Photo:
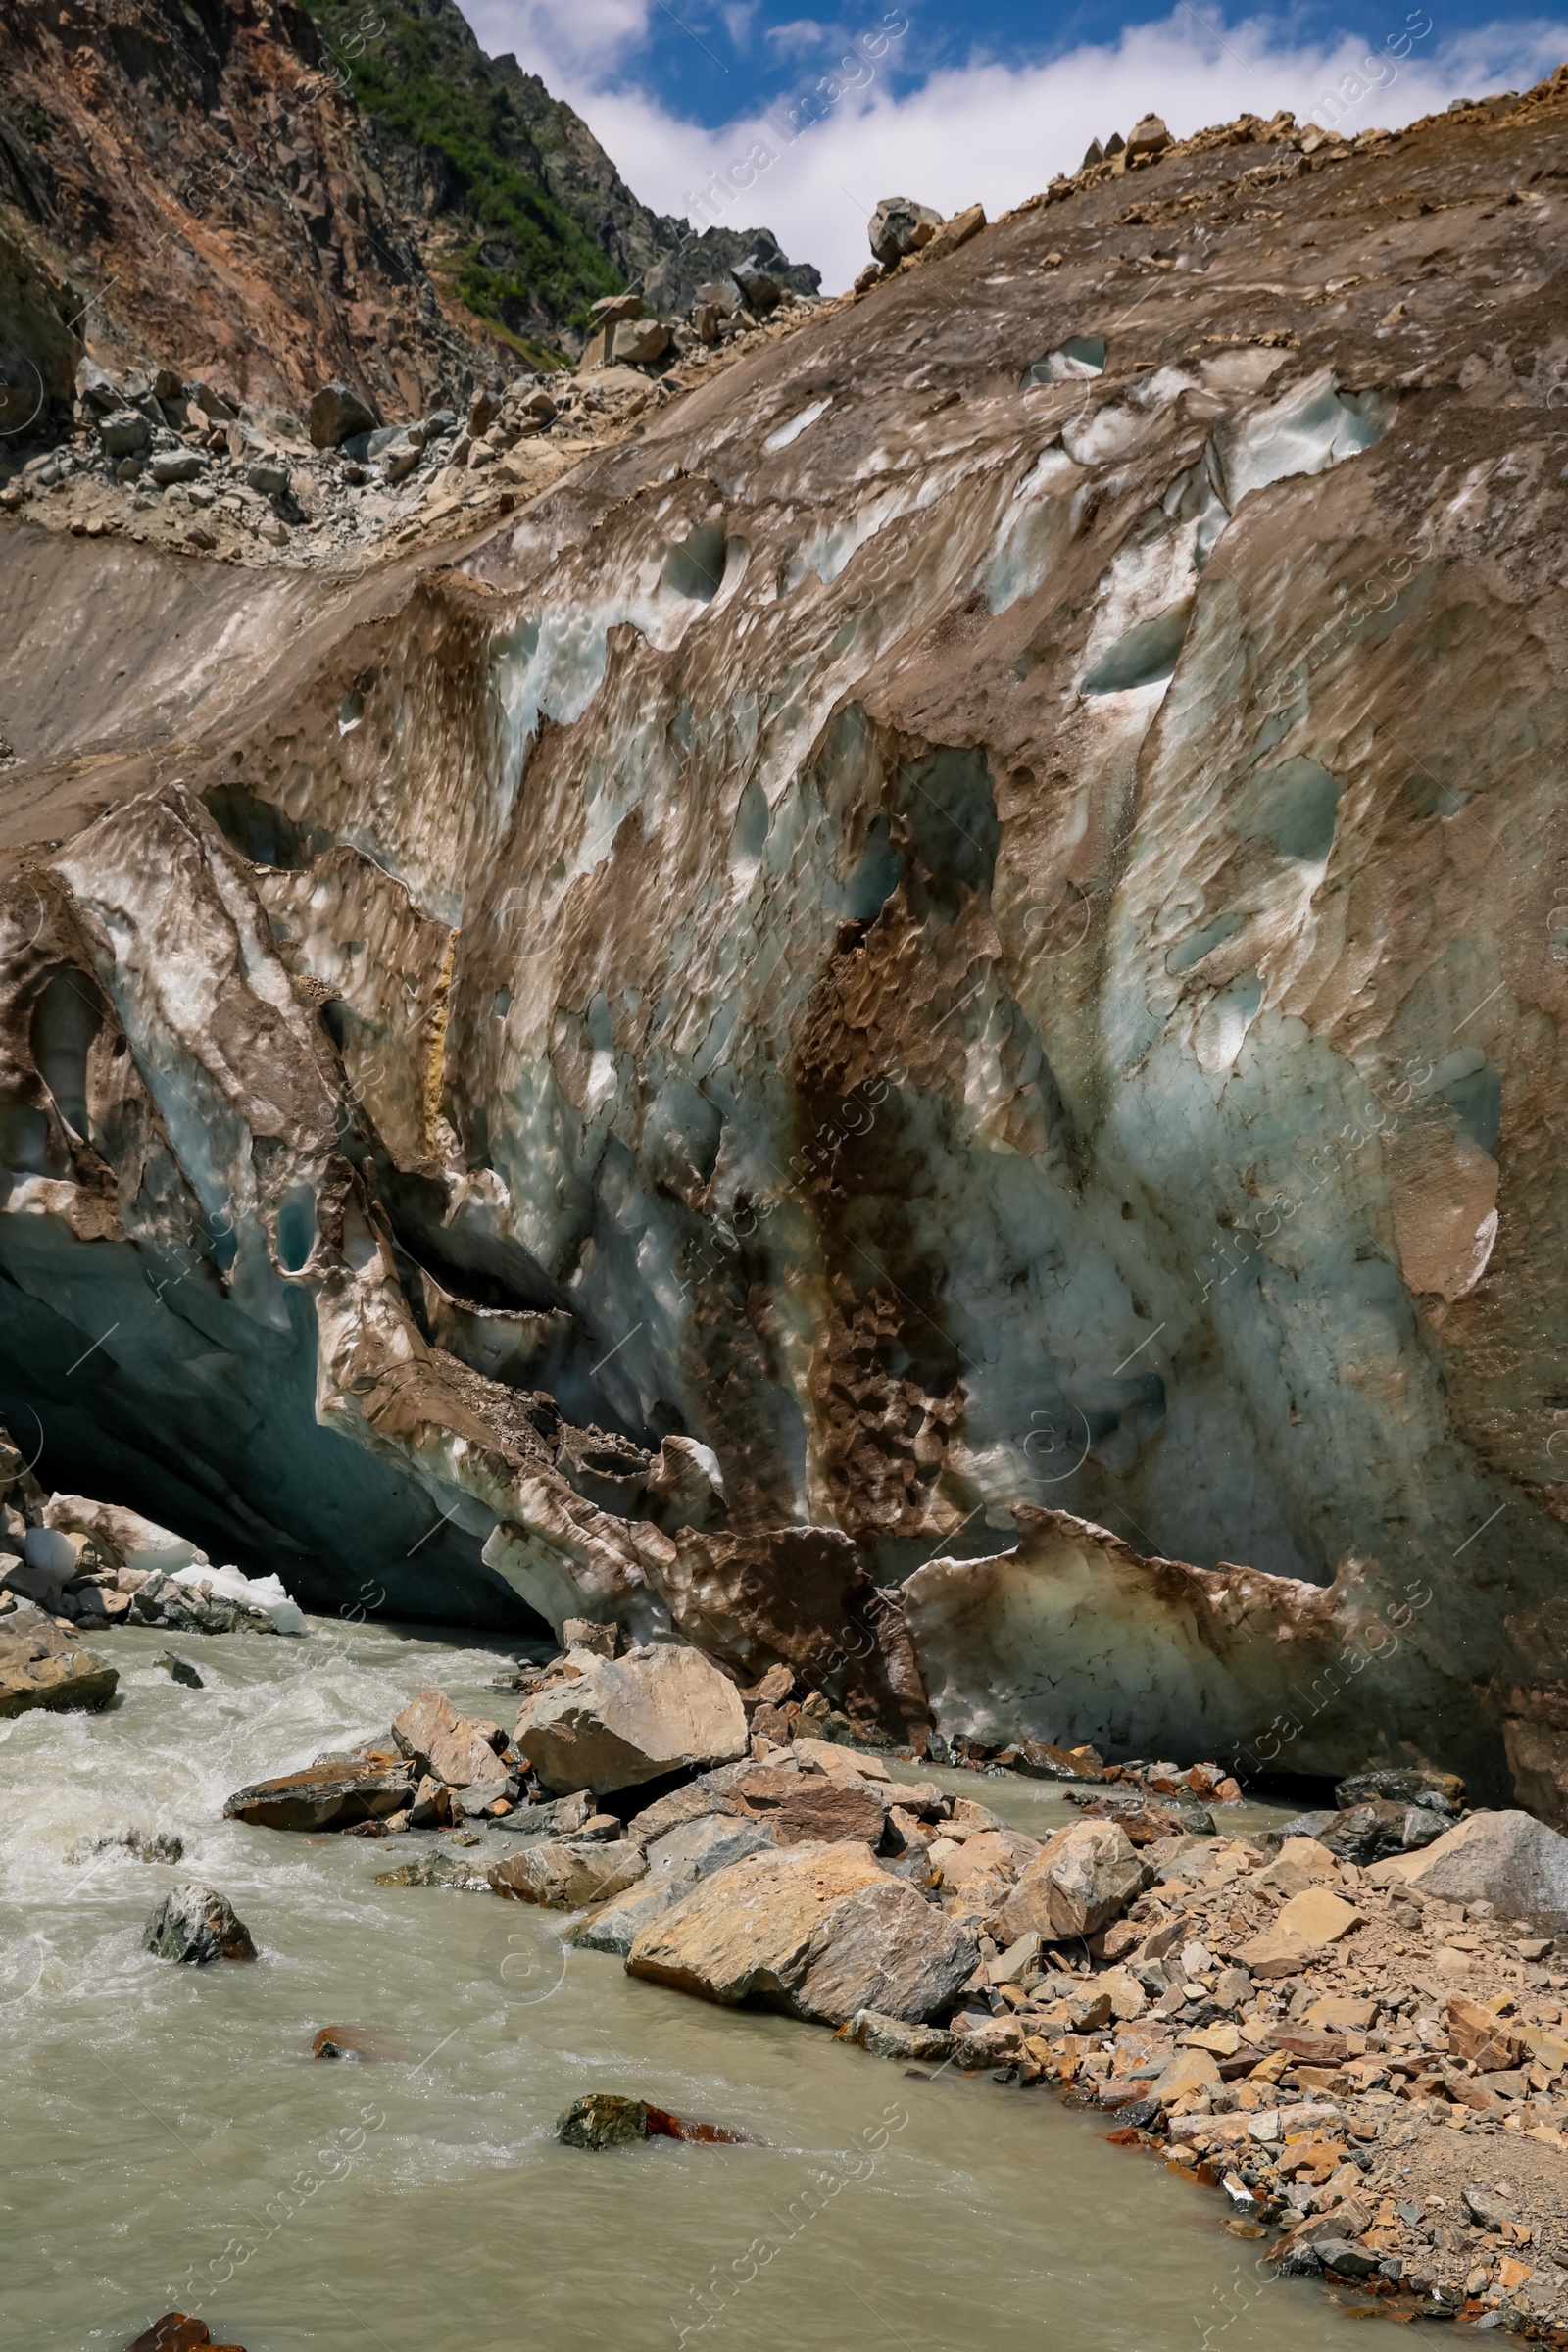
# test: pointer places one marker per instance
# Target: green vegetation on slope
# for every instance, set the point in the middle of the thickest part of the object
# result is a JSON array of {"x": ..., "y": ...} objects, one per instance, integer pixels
[{"x": 422, "y": 73}]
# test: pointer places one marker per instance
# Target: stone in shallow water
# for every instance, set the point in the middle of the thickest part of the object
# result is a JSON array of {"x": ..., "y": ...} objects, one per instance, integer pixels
[
  {"x": 40, "y": 1666},
  {"x": 603, "y": 2120},
  {"x": 568, "y": 1876},
  {"x": 325, "y": 1796},
  {"x": 178, "y": 1671},
  {"x": 197, "y": 1925},
  {"x": 175, "y": 2332}
]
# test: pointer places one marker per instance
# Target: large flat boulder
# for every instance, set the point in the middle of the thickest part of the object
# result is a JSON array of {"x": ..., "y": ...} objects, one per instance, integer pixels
[
  {"x": 1078, "y": 1882},
  {"x": 621, "y": 1721},
  {"x": 1508, "y": 1859},
  {"x": 326, "y": 1796},
  {"x": 567, "y": 1874},
  {"x": 806, "y": 1807},
  {"x": 677, "y": 1861},
  {"x": 41, "y": 1666},
  {"x": 817, "y": 1932}
]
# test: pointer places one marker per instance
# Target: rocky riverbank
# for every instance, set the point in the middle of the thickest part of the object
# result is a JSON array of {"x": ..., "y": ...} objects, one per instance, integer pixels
[{"x": 1353, "y": 2026}]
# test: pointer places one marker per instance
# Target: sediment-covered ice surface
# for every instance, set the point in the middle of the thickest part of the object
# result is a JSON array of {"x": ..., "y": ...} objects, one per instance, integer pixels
[{"x": 919, "y": 1008}]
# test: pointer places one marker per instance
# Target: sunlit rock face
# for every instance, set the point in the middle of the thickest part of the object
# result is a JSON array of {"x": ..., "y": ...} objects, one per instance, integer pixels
[{"x": 971, "y": 937}]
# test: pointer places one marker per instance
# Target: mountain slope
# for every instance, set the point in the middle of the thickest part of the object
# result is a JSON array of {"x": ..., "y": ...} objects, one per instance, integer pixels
[{"x": 246, "y": 193}]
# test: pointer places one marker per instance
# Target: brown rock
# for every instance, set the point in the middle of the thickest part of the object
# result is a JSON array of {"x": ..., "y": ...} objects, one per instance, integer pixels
[
  {"x": 567, "y": 1877},
  {"x": 817, "y": 1932},
  {"x": 1272, "y": 1954},
  {"x": 1317, "y": 1917},
  {"x": 41, "y": 1666},
  {"x": 1480, "y": 2036},
  {"x": 325, "y": 1796},
  {"x": 1076, "y": 1884},
  {"x": 830, "y": 1812},
  {"x": 955, "y": 232},
  {"x": 439, "y": 1741},
  {"x": 174, "y": 2333},
  {"x": 350, "y": 2042},
  {"x": 627, "y": 1720}
]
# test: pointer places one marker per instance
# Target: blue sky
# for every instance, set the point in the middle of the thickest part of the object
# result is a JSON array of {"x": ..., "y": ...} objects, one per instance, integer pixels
[{"x": 808, "y": 119}]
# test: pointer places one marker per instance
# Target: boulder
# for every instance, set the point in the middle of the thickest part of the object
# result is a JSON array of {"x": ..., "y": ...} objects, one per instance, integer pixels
[
  {"x": 123, "y": 434},
  {"x": 568, "y": 1874},
  {"x": 196, "y": 1925},
  {"x": 900, "y": 225},
  {"x": 677, "y": 1861},
  {"x": 1044, "y": 1760},
  {"x": 1148, "y": 138},
  {"x": 627, "y": 1720},
  {"x": 800, "y": 1807},
  {"x": 437, "y": 1739},
  {"x": 891, "y": 2038},
  {"x": 758, "y": 285},
  {"x": 978, "y": 1877},
  {"x": 169, "y": 466},
  {"x": 1478, "y": 2035},
  {"x": 606, "y": 2119},
  {"x": 616, "y": 306},
  {"x": 175, "y": 2332},
  {"x": 639, "y": 342},
  {"x": 270, "y": 477},
  {"x": 326, "y": 1796},
  {"x": 1507, "y": 1859},
  {"x": 817, "y": 1932},
  {"x": 40, "y": 1666},
  {"x": 1379, "y": 1827},
  {"x": 955, "y": 232},
  {"x": 337, "y": 414},
  {"x": 1080, "y": 1880},
  {"x": 1441, "y": 1792},
  {"x": 603, "y": 2120}
]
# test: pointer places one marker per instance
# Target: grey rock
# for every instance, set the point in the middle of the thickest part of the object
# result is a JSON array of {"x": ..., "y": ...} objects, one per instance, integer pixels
[
  {"x": 893, "y": 2038},
  {"x": 96, "y": 386},
  {"x": 479, "y": 1794},
  {"x": 181, "y": 466},
  {"x": 270, "y": 477},
  {"x": 1441, "y": 1792},
  {"x": 177, "y": 1670},
  {"x": 337, "y": 415},
  {"x": 196, "y": 1925},
  {"x": 123, "y": 432},
  {"x": 1507, "y": 1859},
  {"x": 900, "y": 225},
  {"x": 1366, "y": 1833},
  {"x": 212, "y": 404},
  {"x": 758, "y": 283},
  {"x": 676, "y": 1863}
]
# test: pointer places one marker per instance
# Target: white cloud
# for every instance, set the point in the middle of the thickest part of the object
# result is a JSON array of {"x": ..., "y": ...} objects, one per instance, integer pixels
[{"x": 993, "y": 133}]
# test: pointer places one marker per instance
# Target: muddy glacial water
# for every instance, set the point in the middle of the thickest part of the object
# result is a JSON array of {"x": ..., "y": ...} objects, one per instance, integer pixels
[{"x": 169, "y": 2142}]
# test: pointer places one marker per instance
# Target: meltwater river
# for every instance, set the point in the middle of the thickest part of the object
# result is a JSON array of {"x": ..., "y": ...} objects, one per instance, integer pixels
[{"x": 169, "y": 2143}]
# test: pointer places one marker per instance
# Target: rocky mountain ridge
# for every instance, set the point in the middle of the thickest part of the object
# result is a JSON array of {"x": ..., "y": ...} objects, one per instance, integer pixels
[{"x": 265, "y": 198}]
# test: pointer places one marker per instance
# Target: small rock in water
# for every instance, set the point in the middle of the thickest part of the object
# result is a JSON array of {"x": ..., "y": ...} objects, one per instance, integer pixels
[
  {"x": 178, "y": 1671},
  {"x": 606, "y": 2118},
  {"x": 196, "y": 1924},
  {"x": 349, "y": 2042},
  {"x": 147, "y": 1846},
  {"x": 174, "y": 2333},
  {"x": 602, "y": 2120}
]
